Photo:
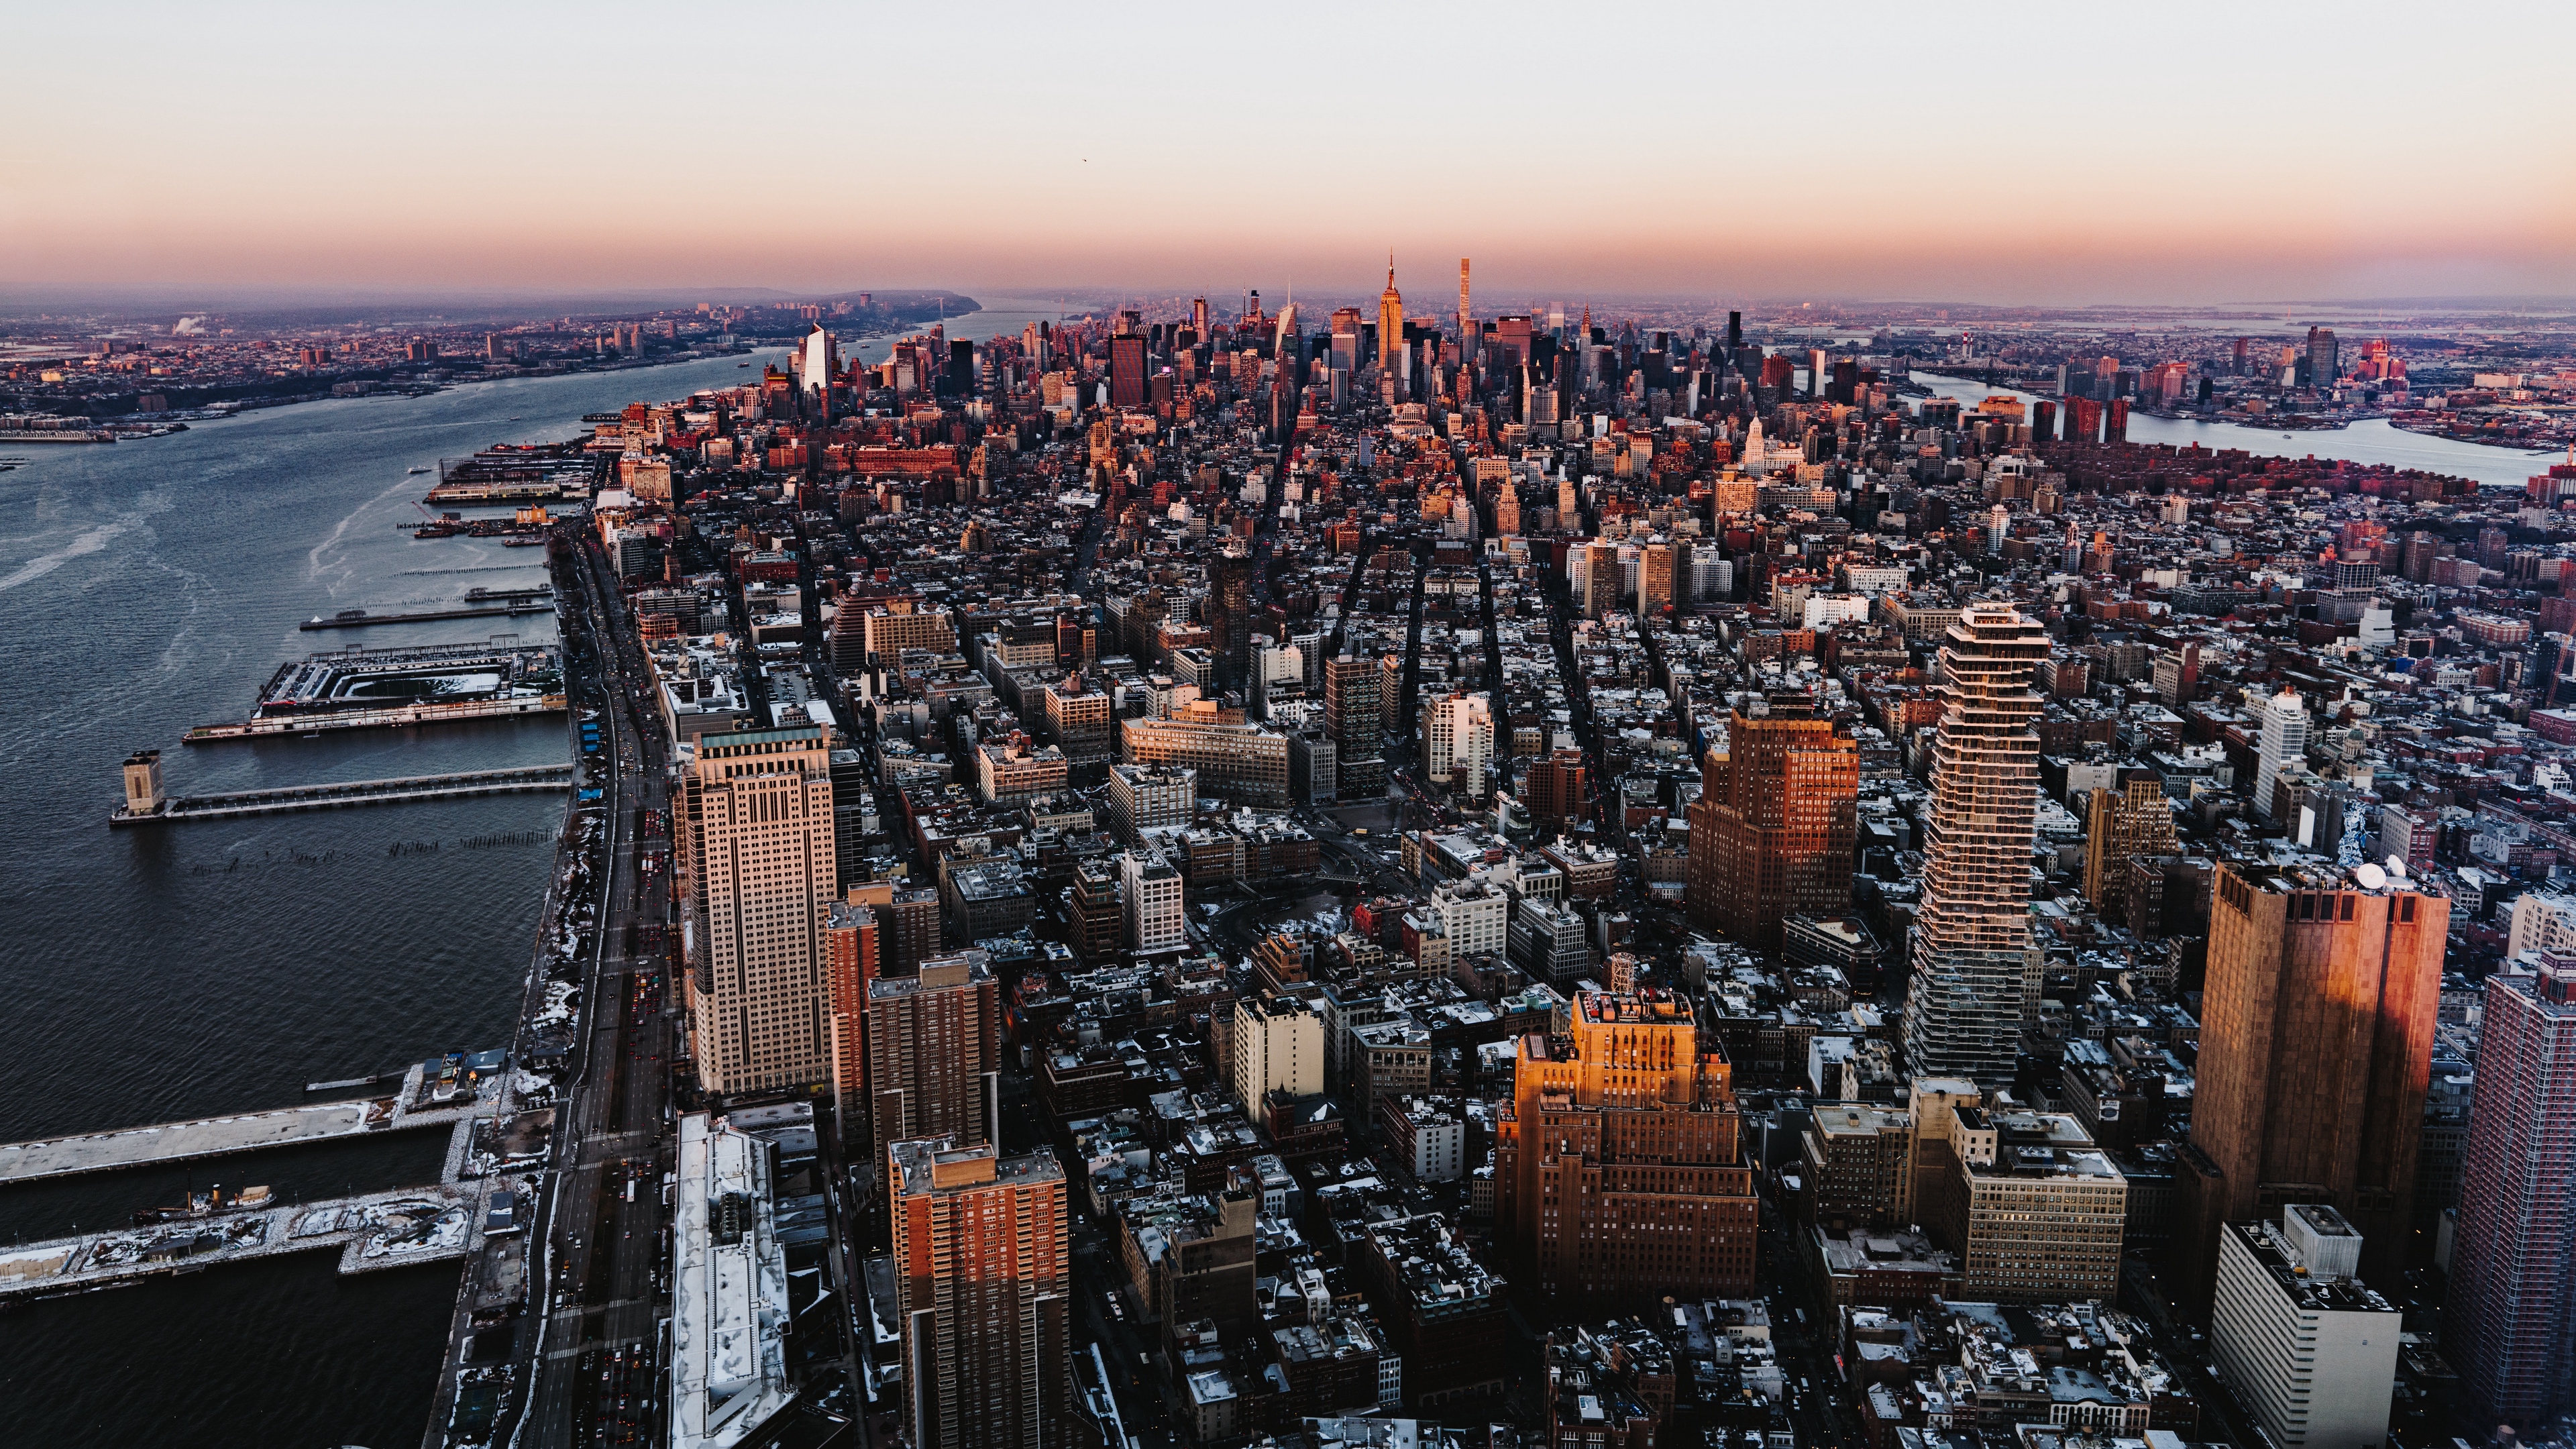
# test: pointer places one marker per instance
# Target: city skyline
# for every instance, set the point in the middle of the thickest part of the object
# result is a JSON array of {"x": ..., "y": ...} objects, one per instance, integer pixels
[{"x": 2181, "y": 162}]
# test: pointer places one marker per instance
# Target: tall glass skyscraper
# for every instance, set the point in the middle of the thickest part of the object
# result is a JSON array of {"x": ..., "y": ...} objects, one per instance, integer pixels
[{"x": 1974, "y": 969}]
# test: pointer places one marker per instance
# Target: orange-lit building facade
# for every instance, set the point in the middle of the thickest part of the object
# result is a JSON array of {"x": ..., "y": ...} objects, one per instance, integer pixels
[
  {"x": 1619, "y": 1170},
  {"x": 850, "y": 958},
  {"x": 1773, "y": 832}
]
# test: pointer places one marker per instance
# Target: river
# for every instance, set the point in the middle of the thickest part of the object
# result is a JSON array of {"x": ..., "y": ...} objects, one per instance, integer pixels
[
  {"x": 2372, "y": 440},
  {"x": 184, "y": 971}
]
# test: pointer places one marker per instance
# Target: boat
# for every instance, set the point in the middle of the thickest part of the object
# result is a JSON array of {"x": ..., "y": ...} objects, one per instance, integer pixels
[
  {"x": 416, "y": 470},
  {"x": 209, "y": 1203}
]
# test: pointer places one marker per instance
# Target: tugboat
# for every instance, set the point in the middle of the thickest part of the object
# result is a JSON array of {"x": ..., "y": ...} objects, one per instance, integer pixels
[{"x": 210, "y": 1203}]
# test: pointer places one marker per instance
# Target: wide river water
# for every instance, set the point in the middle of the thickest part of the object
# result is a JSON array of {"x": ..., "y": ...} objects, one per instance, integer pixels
[
  {"x": 2368, "y": 441},
  {"x": 187, "y": 971}
]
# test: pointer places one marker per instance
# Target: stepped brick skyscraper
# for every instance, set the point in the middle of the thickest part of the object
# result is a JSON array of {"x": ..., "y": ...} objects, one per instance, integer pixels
[
  {"x": 2511, "y": 1323},
  {"x": 1974, "y": 972},
  {"x": 1773, "y": 830},
  {"x": 979, "y": 1256},
  {"x": 1619, "y": 1173},
  {"x": 756, "y": 837},
  {"x": 2316, "y": 1047}
]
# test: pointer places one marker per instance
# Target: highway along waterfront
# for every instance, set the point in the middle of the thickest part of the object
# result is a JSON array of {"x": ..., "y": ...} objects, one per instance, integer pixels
[{"x": 214, "y": 967}]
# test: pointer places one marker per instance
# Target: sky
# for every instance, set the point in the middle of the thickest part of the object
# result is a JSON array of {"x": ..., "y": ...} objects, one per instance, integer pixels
[{"x": 2049, "y": 154}]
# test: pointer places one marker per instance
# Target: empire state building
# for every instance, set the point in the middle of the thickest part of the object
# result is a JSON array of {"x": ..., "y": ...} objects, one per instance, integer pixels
[{"x": 1390, "y": 317}]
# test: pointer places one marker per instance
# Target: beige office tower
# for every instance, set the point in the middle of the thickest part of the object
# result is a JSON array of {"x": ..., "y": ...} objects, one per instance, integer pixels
[
  {"x": 756, "y": 832},
  {"x": 1975, "y": 973}
]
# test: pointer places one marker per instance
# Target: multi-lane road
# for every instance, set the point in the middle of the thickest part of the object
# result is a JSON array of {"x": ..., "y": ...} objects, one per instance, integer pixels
[{"x": 587, "y": 1359}]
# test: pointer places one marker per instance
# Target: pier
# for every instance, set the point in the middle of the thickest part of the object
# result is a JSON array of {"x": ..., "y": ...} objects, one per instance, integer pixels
[
  {"x": 361, "y": 619},
  {"x": 377, "y": 719},
  {"x": 372, "y": 1231},
  {"x": 178, "y": 808},
  {"x": 164, "y": 1143}
]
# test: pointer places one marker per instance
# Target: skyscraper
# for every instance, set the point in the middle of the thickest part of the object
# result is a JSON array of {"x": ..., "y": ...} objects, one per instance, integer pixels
[
  {"x": 1390, "y": 318},
  {"x": 1466, "y": 319},
  {"x": 979, "y": 1252},
  {"x": 1975, "y": 973},
  {"x": 2284, "y": 741},
  {"x": 1619, "y": 1171},
  {"x": 1230, "y": 613},
  {"x": 853, "y": 946},
  {"x": 1601, "y": 589},
  {"x": 756, "y": 843},
  {"x": 934, "y": 1054},
  {"x": 1354, "y": 716},
  {"x": 2511, "y": 1322},
  {"x": 2325, "y": 365},
  {"x": 1655, "y": 577},
  {"x": 1458, "y": 742},
  {"x": 1127, "y": 371},
  {"x": 1776, "y": 823},
  {"x": 2316, "y": 1046}
]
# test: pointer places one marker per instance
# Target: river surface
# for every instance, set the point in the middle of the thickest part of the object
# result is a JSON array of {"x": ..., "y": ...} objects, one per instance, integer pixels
[
  {"x": 185, "y": 971},
  {"x": 2370, "y": 441}
]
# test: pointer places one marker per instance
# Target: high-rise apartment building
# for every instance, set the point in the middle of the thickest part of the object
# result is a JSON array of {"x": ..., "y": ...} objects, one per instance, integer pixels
[
  {"x": 984, "y": 1296},
  {"x": 2316, "y": 1048},
  {"x": 1603, "y": 579},
  {"x": 1776, "y": 823},
  {"x": 2134, "y": 820},
  {"x": 2309, "y": 1349},
  {"x": 1156, "y": 913},
  {"x": 2284, "y": 742},
  {"x": 1354, "y": 715},
  {"x": 1278, "y": 1045},
  {"x": 1458, "y": 742},
  {"x": 756, "y": 840},
  {"x": 2510, "y": 1326},
  {"x": 1619, "y": 1172},
  {"x": 1466, "y": 323},
  {"x": 853, "y": 945},
  {"x": 934, "y": 1053},
  {"x": 1975, "y": 973},
  {"x": 1655, "y": 571}
]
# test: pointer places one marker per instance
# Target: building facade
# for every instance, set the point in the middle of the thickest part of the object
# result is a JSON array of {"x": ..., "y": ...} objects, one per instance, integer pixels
[
  {"x": 756, "y": 836},
  {"x": 2316, "y": 1049},
  {"x": 2510, "y": 1325},
  {"x": 2309, "y": 1349},
  {"x": 1774, "y": 830},
  {"x": 1619, "y": 1170},
  {"x": 979, "y": 1248},
  {"x": 1975, "y": 974}
]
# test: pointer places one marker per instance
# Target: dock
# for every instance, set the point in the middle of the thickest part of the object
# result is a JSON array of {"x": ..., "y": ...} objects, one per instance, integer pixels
[
  {"x": 361, "y": 619},
  {"x": 180, "y": 808},
  {"x": 363, "y": 719},
  {"x": 372, "y": 1231},
  {"x": 164, "y": 1143}
]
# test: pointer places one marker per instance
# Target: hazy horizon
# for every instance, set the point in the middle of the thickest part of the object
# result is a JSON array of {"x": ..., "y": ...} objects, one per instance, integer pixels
[{"x": 2027, "y": 156}]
